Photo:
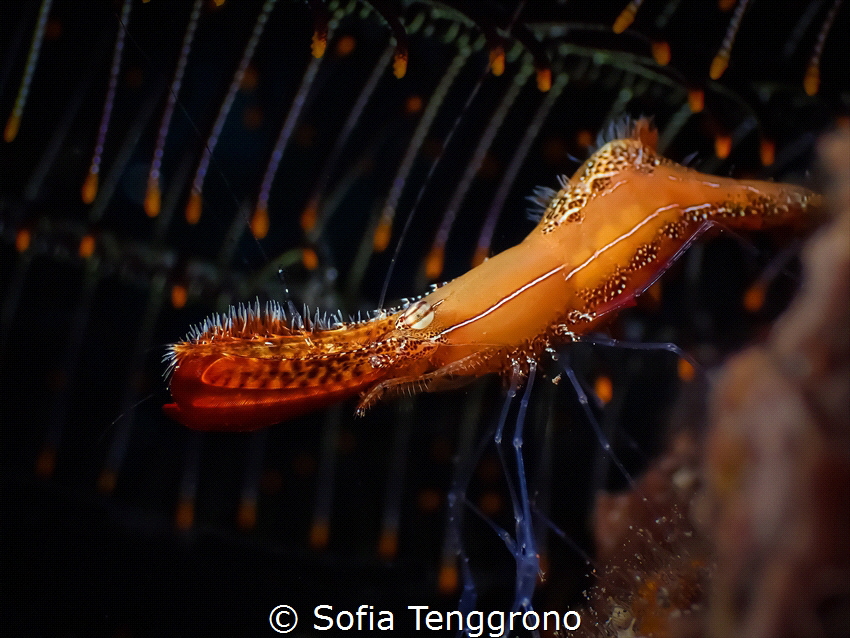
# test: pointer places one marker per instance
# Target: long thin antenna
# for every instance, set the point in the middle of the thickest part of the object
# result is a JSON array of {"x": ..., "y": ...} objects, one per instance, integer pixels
[{"x": 427, "y": 181}]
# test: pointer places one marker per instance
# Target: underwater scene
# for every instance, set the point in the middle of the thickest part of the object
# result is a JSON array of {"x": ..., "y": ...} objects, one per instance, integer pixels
[{"x": 165, "y": 161}]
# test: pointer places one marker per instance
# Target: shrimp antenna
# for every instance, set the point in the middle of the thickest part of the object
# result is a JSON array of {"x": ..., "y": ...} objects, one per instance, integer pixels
[
  {"x": 427, "y": 181},
  {"x": 210, "y": 156},
  {"x": 212, "y": 159},
  {"x": 421, "y": 192},
  {"x": 131, "y": 408}
]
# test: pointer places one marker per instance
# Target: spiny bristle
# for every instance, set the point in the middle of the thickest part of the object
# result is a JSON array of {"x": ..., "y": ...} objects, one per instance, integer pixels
[
  {"x": 253, "y": 320},
  {"x": 169, "y": 358},
  {"x": 539, "y": 201},
  {"x": 624, "y": 127}
]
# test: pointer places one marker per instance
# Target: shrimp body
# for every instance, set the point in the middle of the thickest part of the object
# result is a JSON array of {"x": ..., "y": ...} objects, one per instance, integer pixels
[{"x": 605, "y": 237}]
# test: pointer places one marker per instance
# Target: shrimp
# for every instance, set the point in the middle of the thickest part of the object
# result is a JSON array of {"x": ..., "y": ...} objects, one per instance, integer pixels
[{"x": 613, "y": 229}]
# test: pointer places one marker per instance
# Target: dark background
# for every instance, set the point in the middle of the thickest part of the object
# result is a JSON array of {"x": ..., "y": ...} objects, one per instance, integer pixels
[{"x": 82, "y": 339}]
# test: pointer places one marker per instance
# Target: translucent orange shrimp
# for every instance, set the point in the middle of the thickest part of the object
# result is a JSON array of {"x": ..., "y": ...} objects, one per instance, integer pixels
[{"x": 604, "y": 238}]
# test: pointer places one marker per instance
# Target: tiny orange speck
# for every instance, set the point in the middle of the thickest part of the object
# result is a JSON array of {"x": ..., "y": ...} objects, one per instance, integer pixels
[
  {"x": 434, "y": 262},
  {"x": 23, "y": 240},
  {"x": 604, "y": 388},
  {"x": 382, "y": 235},
  {"x": 179, "y": 295},
  {"x": 319, "y": 44},
  {"x": 544, "y": 79},
  {"x": 309, "y": 216},
  {"x": 428, "y": 500},
  {"x": 661, "y": 53},
  {"x": 625, "y": 19},
  {"x": 86, "y": 248},
  {"x": 345, "y": 45},
  {"x": 106, "y": 482},
  {"x": 718, "y": 66},
  {"x": 447, "y": 581},
  {"x": 696, "y": 100},
  {"x": 309, "y": 258},
  {"x": 319, "y": 535},
  {"x": 193, "y": 208},
  {"x": 184, "y": 517},
  {"x": 584, "y": 138},
  {"x": 400, "y": 65},
  {"x": 722, "y": 146},
  {"x": 413, "y": 104},
  {"x": 89, "y": 191},
  {"x": 811, "y": 83},
  {"x": 46, "y": 462},
  {"x": 260, "y": 222},
  {"x": 654, "y": 293},
  {"x": 388, "y": 544},
  {"x": 13, "y": 124},
  {"x": 490, "y": 503},
  {"x": 246, "y": 517},
  {"x": 250, "y": 79},
  {"x": 497, "y": 60},
  {"x": 53, "y": 31},
  {"x": 153, "y": 199},
  {"x": 767, "y": 151},
  {"x": 754, "y": 297},
  {"x": 686, "y": 370}
]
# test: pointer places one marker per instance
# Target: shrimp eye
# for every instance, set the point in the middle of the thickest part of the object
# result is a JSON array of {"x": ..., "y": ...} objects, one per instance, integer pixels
[{"x": 417, "y": 317}]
